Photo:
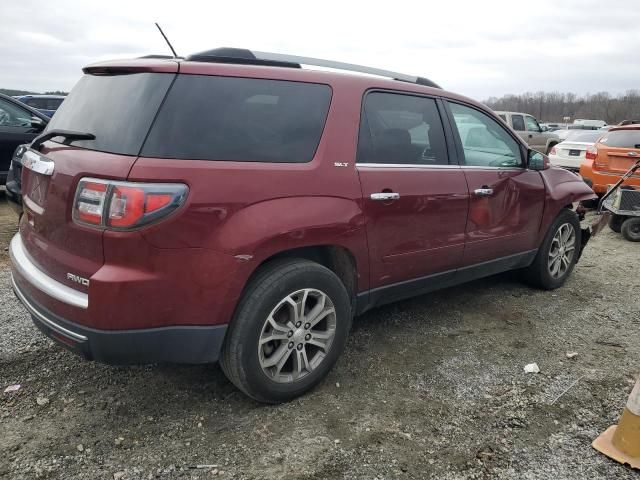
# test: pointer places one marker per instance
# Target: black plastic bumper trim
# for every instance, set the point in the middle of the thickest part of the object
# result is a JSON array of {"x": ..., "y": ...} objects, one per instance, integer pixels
[{"x": 176, "y": 344}]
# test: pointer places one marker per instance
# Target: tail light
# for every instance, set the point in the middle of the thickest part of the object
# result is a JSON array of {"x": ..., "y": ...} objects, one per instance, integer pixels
[
  {"x": 552, "y": 151},
  {"x": 591, "y": 153},
  {"x": 125, "y": 205}
]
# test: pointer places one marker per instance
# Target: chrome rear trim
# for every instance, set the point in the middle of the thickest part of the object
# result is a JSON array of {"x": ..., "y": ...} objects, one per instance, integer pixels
[
  {"x": 37, "y": 163},
  {"x": 51, "y": 324},
  {"x": 40, "y": 280}
]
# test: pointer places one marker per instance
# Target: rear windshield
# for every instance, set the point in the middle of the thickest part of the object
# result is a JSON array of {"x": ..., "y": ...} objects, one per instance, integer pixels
[
  {"x": 583, "y": 136},
  {"x": 117, "y": 109},
  {"x": 239, "y": 119},
  {"x": 622, "y": 139}
]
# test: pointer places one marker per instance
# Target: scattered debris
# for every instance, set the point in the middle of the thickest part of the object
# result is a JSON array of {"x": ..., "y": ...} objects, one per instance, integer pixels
[
  {"x": 532, "y": 368},
  {"x": 572, "y": 354},
  {"x": 337, "y": 384},
  {"x": 118, "y": 441},
  {"x": 337, "y": 441},
  {"x": 42, "y": 401},
  {"x": 80, "y": 448},
  {"x": 12, "y": 388},
  {"x": 203, "y": 466}
]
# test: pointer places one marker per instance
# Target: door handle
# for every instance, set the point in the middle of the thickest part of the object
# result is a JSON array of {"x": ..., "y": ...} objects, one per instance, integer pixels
[
  {"x": 483, "y": 192},
  {"x": 385, "y": 196}
]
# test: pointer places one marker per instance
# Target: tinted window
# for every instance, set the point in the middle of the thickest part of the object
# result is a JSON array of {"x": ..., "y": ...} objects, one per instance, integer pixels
[
  {"x": 117, "y": 109},
  {"x": 485, "y": 142},
  {"x": 622, "y": 139},
  {"x": 13, "y": 116},
  {"x": 517, "y": 123},
  {"x": 401, "y": 129},
  {"x": 532, "y": 124},
  {"x": 239, "y": 119},
  {"x": 53, "y": 103},
  {"x": 36, "y": 102}
]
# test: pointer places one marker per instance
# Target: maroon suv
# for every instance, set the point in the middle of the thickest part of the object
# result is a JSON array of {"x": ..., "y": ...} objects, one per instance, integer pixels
[{"x": 234, "y": 206}]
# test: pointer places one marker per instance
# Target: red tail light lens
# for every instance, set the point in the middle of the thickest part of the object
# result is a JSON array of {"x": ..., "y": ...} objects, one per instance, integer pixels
[
  {"x": 125, "y": 205},
  {"x": 90, "y": 200},
  {"x": 591, "y": 154},
  {"x": 552, "y": 151}
]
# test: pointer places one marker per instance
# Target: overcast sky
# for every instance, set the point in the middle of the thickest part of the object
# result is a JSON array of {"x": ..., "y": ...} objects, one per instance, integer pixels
[{"x": 479, "y": 48}]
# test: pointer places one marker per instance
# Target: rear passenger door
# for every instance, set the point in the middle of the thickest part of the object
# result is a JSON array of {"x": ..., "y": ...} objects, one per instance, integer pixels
[
  {"x": 506, "y": 198},
  {"x": 414, "y": 200}
]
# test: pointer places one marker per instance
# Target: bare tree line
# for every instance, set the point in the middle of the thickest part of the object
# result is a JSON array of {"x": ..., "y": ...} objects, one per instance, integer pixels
[{"x": 554, "y": 106}]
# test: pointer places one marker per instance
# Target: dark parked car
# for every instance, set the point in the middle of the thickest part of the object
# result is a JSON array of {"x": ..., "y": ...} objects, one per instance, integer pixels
[
  {"x": 234, "y": 206},
  {"x": 46, "y": 104},
  {"x": 18, "y": 124}
]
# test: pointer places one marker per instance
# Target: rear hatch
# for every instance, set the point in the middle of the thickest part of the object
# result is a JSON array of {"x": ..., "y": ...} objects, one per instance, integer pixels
[
  {"x": 572, "y": 150},
  {"x": 618, "y": 150},
  {"x": 116, "y": 104}
]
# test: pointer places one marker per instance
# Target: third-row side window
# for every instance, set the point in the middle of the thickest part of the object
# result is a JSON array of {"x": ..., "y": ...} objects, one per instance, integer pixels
[{"x": 401, "y": 129}]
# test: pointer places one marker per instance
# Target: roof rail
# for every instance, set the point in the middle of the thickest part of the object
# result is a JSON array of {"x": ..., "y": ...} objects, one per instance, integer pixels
[{"x": 244, "y": 56}]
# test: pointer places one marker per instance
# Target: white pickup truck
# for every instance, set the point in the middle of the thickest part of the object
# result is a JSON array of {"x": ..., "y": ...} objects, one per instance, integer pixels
[{"x": 527, "y": 127}]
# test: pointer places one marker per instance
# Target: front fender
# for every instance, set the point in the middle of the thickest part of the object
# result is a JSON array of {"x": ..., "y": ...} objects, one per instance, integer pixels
[{"x": 563, "y": 188}]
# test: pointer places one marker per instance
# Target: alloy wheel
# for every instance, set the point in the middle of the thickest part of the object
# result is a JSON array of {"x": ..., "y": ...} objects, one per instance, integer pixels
[
  {"x": 562, "y": 250},
  {"x": 297, "y": 335}
]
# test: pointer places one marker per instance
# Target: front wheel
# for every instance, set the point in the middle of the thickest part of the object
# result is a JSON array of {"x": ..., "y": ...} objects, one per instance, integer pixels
[
  {"x": 558, "y": 253},
  {"x": 289, "y": 329},
  {"x": 631, "y": 229}
]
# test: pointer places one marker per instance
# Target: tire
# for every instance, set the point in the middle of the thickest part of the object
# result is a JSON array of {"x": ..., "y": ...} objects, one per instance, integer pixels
[
  {"x": 271, "y": 295},
  {"x": 540, "y": 273},
  {"x": 615, "y": 222},
  {"x": 631, "y": 229}
]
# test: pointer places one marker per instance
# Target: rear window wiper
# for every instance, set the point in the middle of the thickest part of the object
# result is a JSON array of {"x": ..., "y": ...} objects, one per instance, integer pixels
[{"x": 68, "y": 134}]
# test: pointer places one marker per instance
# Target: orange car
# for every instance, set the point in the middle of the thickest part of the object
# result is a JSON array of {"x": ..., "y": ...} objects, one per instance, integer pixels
[{"x": 611, "y": 157}]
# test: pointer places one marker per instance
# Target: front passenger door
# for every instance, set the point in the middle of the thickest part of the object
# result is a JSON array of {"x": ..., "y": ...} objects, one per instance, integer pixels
[
  {"x": 506, "y": 199},
  {"x": 415, "y": 201}
]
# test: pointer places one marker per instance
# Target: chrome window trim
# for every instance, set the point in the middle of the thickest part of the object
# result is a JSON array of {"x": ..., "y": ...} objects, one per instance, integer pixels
[
  {"x": 406, "y": 165},
  {"x": 32, "y": 274},
  {"x": 51, "y": 324},
  {"x": 489, "y": 167},
  {"x": 37, "y": 163}
]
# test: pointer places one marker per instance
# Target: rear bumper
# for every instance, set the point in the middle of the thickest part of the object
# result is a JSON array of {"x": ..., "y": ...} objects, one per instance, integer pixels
[
  {"x": 162, "y": 344},
  {"x": 568, "y": 163},
  {"x": 600, "y": 181},
  {"x": 186, "y": 344}
]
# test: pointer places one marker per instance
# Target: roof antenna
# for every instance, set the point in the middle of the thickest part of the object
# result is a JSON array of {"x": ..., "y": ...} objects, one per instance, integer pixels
[{"x": 175, "y": 55}]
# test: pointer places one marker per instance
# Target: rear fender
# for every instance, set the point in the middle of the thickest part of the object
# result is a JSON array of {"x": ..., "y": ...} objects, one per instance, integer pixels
[{"x": 262, "y": 230}]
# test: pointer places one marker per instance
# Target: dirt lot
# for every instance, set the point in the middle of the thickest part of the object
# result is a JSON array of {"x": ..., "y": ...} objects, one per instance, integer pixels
[{"x": 429, "y": 388}]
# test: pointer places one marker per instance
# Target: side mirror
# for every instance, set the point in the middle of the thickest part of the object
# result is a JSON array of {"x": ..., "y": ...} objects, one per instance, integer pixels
[
  {"x": 537, "y": 161},
  {"x": 37, "y": 124},
  {"x": 544, "y": 129}
]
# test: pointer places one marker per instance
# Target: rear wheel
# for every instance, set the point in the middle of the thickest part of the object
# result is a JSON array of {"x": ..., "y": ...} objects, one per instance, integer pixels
[
  {"x": 615, "y": 222},
  {"x": 631, "y": 229},
  {"x": 290, "y": 328},
  {"x": 558, "y": 253}
]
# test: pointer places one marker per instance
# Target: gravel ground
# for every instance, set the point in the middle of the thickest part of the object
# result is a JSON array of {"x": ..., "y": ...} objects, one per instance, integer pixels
[{"x": 429, "y": 388}]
